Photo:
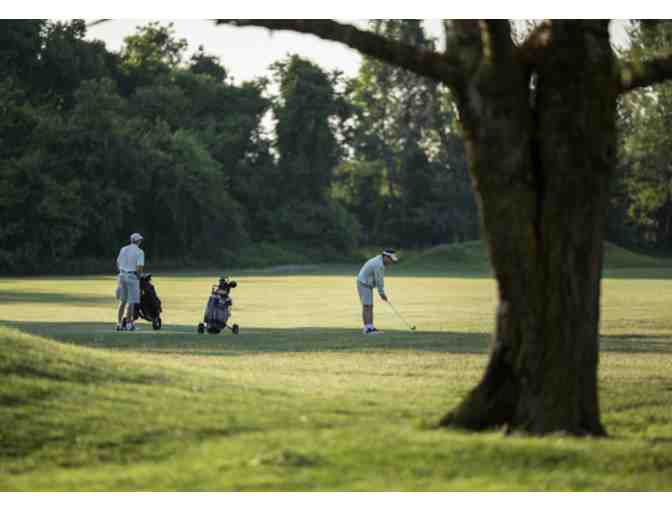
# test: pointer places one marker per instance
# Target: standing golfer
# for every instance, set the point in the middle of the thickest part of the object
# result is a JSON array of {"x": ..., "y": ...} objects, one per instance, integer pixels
[
  {"x": 372, "y": 275},
  {"x": 131, "y": 264}
]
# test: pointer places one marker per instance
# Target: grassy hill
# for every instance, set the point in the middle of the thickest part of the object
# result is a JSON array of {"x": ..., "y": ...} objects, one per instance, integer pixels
[
  {"x": 616, "y": 257},
  {"x": 173, "y": 416},
  {"x": 472, "y": 257}
]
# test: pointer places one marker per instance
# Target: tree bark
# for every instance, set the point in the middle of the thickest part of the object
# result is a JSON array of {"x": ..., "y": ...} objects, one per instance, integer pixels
[{"x": 543, "y": 209}]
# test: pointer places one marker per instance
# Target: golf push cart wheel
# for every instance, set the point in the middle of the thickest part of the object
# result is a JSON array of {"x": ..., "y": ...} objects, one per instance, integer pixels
[
  {"x": 201, "y": 328},
  {"x": 235, "y": 329},
  {"x": 156, "y": 323}
]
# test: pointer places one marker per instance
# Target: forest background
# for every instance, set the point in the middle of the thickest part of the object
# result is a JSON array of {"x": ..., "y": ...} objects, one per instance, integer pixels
[{"x": 298, "y": 166}]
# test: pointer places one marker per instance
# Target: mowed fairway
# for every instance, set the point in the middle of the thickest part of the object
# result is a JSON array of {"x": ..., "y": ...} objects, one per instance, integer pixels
[{"x": 301, "y": 400}]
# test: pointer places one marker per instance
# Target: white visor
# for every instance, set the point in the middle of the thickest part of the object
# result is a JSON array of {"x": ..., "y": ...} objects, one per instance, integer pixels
[{"x": 391, "y": 255}]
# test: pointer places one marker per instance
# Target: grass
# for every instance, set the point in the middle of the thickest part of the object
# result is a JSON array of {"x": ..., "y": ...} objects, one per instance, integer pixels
[{"x": 300, "y": 400}]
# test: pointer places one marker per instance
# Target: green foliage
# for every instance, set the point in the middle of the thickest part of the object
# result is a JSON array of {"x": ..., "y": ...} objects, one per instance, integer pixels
[
  {"x": 308, "y": 154},
  {"x": 144, "y": 145},
  {"x": 326, "y": 223},
  {"x": 153, "y": 48},
  {"x": 19, "y": 119},
  {"x": 20, "y": 44},
  {"x": 645, "y": 120},
  {"x": 305, "y": 141},
  {"x": 360, "y": 186},
  {"x": 110, "y": 143},
  {"x": 202, "y": 63},
  {"x": 66, "y": 60},
  {"x": 406, "y": 124},
  {"x": 40, "y": 202}
]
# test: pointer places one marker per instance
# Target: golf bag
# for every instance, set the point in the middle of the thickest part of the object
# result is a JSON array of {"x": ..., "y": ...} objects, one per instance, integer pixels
[
  {"x": 150, "y": 304},
  {"x": 217, "y": 311}
]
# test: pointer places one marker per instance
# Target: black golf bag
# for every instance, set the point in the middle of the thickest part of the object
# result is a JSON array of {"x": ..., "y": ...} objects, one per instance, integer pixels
[
  {"x": 150, "y": 304},
  {"x": 217, "y": 310}
]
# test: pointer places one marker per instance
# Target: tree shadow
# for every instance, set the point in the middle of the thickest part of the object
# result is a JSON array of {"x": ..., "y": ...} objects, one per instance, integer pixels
[
  {"x": 184, "y": 339},
  {"x": 636, "y": 343},
  {"x": 637, "y": 273}
]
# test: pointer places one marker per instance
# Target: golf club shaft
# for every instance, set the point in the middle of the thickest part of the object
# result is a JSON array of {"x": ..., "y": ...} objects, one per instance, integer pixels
[{"x": 399, "y": 315}]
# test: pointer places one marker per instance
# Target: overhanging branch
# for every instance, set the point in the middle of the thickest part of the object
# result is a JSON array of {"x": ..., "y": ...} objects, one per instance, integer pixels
[
  {"x": 532, "y": 50},
  {"x": 96, "y": 22},
  {"x": 635, "y": 74},
  {"x": 424, "y": 62}
]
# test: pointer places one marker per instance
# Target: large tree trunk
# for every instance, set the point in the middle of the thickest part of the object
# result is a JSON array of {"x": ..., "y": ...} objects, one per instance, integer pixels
[{"x": 540, "y": 158}]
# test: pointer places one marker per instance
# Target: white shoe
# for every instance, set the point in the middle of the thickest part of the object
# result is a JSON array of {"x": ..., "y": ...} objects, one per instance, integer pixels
[{"x": 373, "y": 331}]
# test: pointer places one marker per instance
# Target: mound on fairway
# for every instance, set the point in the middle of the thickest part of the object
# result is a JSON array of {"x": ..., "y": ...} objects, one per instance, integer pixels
[
  {"x": 92, "y": 418},
  {"x": 472, "y": 257},
  {"x": 616, "y": 257}
]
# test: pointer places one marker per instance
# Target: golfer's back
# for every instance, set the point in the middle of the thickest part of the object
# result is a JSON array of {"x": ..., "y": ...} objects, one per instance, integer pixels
[
  {"x": 130, "y": 257},
  {"x": 371, "y": 273}
]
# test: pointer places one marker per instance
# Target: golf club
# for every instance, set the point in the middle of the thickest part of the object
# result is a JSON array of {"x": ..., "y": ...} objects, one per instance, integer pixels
[{"x": 412, "y": 327}]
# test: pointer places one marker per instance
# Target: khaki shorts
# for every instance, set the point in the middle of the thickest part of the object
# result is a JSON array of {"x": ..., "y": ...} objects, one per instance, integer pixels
[
  {"x": 128, "y": 289},
  {"x": 365, "y": 294}
]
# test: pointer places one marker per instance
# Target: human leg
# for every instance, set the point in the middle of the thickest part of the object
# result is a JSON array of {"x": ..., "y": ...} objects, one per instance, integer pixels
[
  {"x": 129, "y": 315},
  {"x": 122, "y": 296},
  {"x": 133, "y": 300},
  {"x": 366, "y": 298},
  {"x": 367, "y": 315},
  {"x": 120, "y": 312}
]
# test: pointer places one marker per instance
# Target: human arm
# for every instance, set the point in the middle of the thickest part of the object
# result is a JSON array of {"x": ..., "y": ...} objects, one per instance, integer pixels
[
  {"x": 140, "y": 264},
  {"x": 380, "y": 282}
]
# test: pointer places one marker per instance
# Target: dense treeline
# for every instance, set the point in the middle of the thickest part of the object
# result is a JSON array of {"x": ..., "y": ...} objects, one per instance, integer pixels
[
  {"x": 95, "y": 144},
  {"x": 296, "y": 166},
  {"x": 641, "y": 212}
]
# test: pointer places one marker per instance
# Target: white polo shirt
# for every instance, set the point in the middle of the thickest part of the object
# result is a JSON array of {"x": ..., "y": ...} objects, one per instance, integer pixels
[
  {"x": 130, "y": 257},
  {"x": 372, "y": 274}
]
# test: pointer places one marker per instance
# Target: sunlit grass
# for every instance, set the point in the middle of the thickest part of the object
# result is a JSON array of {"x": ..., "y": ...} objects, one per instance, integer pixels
[{"x": 300, "y": 400}]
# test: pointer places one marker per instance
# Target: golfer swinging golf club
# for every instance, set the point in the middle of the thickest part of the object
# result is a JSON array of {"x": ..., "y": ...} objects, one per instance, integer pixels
[{"x": 372, "y": 275}]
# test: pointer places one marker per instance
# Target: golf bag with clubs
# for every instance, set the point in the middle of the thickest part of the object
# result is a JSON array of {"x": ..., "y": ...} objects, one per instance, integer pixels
[
  {"x": 217, "y": 311},
  {"x": 149, "y": 307}
]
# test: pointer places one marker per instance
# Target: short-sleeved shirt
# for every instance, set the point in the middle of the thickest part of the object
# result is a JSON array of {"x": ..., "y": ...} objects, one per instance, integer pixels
[
  {"x": 130, "y": 257},
  {"x": 372, "y": 274}
]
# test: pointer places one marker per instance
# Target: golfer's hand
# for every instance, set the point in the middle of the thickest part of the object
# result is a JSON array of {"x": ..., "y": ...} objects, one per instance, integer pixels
[{"x": 383, "y": 297}]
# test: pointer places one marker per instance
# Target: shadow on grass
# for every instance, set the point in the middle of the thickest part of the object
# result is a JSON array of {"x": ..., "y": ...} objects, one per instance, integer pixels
[
  {"x": 184, "y": 339},
  {"x": 636, "y": 343}
]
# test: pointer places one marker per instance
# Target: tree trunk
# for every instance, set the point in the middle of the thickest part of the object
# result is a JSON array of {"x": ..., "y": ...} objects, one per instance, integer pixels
[{"x": 540, "y": 158}]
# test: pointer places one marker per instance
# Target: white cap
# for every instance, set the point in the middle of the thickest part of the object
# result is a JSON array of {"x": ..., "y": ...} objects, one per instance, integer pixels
[
  {"x": 136, "y": 237},
  {"x": 390, "y": 253}
]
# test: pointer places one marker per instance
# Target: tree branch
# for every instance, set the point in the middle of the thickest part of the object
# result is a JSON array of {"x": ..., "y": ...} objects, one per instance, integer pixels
[
  {"x": 421, "y": 61},
  {"x": 635, "y": 74},
  {"x": 532, "y": 50},
  {"x": 499, "y": 33},
  {"x": 96, "y": 22}
]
